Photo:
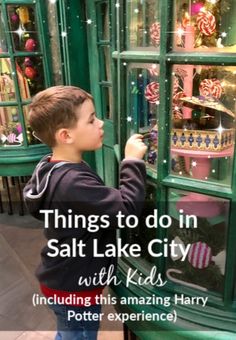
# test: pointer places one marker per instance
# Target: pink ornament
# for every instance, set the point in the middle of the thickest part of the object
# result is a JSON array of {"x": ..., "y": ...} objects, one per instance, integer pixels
[
  {"x": 200, "y": 255},
  {"x": 196, "y": 7},
  {"x": 14, "y": 18},
  {"x": 152, "y": 92},
  {"x": 30, "y": 45},
  {"x": 210, "y": 88},
  {"x": 11, "y": 138},
  {"x": 206, "y": 23},
  {"x": 30, "y": 72},
  {"x": 19, "y": 128},
  {"x": 155, "y": 33}
]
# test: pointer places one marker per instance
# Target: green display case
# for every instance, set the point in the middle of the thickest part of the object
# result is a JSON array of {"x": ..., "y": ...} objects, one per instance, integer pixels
[{"x": 173, "y": 72}]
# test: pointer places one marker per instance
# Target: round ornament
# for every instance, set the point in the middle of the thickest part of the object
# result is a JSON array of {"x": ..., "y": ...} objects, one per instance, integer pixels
[
  {"x": 30, "y": 72},
  {"x": 28, "y": 62},
  {"x": 152, "y": 92},
  {"x": 196, "y": 7},
  {"x": 200, "y": 255},
  {"x": 30, "y": 45},
  {"x": 210, "y": 88},
  {"x": 14, "y": 18},
  {"x": 206, "y": 23},
  {"x": 155, "y": 33}
]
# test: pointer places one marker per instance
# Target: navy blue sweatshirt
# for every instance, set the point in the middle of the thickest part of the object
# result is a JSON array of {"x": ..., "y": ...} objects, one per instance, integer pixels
[{"x": 76, "y": 187}]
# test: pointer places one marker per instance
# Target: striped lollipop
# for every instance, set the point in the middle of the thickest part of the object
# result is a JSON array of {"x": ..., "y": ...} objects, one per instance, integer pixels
[
  {"x": 152, "y": 92},
  {"x": 210, "y": 88},
  {"x": 206, "y": 22},
  {"x": 155, "y": 35}
]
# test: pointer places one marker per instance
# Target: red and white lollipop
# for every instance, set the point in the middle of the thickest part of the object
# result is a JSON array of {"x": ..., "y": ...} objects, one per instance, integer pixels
[
  {"x": 210, "y": 88},
  {"x": 151, "y": 92},
  {"x": 155, "y": 33},
  {"x": 206, "y": 22}
]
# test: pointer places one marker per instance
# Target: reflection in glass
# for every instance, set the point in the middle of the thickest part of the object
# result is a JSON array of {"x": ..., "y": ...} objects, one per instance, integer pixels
[
  {"x": 107, "y": 102},
  {"x": 105, "y": 63},
  {"x": 144, "y": 24},
  {"x": 103, "y": 21},
  {"x": 7, "y": 88},
  {"x": 54, "y": 42},
  {"x": 31, "y": 139},
  {"x": 206, "y": 25},
  {"x": 3, "y": 42},
  {"x": 203, "y": 122},
  {"x": 30, "y": 75},
  {"x": 10, "y": 127},
  {"x": 143, "y": 86},
  {"x": 204, "y": 240},
  {"x": 23, "y": 27}
]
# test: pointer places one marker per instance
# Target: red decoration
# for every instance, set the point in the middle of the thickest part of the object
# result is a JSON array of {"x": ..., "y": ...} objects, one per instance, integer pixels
[
  {"x": 30, "y": 72},
  {"x": 177, "y": 97},
  {"x": 152, "y": 92},
  {"x": 155, "y": 30},
  {"x": 200, "y": 255},
  {"x": 210, "y": 88},
  {"x": 30, "y": 45},
  {"x": 206, "y": 23}
]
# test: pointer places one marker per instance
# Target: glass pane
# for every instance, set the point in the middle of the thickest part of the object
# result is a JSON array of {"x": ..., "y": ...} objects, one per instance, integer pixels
[
  {"x": 30, "y": 138},
  {"x": 206, "y": 25},
  {"x": 199, "y": 232},
  {"x": 30, "y": 75},
  {"x": 3, "y": 42},
  {"x": 203, "y": 122},
  {"x": 23, "y": 27},
  {"x": 7, "y": 88},
  {"x": 143, "y": 24},
  {"x": 105, "y": 63},
  {"x": 10, "y": 127},
  {"x": 139, "y": 234},
  {"x": 54, "y": 42},
  {"x": 103, "y": 23},
  {"x": 143, "y": 103},
  {"x": 107, "y": 102}
]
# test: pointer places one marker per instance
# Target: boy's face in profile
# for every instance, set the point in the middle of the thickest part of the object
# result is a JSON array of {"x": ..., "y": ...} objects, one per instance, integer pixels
[{"x": 88, "y": 132}]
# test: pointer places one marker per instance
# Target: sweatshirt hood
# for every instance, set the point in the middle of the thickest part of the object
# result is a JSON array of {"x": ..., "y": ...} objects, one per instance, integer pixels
[{"x": 35, "y": 190}]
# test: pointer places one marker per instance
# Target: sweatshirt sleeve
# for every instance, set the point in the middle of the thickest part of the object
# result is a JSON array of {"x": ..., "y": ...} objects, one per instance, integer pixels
[{"x": 88, "y": 195}]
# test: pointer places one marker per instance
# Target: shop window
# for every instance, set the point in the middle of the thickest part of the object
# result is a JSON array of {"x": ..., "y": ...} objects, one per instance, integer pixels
[{"x": 25, "y": 65}]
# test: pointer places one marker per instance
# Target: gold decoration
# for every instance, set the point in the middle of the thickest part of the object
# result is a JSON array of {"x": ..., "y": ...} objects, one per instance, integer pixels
[{"x": 23, "y": 13}]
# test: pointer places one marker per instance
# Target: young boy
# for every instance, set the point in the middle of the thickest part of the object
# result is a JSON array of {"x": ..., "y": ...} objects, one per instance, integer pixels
[{"x": 64, "y": 118}]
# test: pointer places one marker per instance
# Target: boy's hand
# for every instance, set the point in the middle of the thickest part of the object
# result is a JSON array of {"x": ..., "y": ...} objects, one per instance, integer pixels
[{"x": 135, "y": 148}]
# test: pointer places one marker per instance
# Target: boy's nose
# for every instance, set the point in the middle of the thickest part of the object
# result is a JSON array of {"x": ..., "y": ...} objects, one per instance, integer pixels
[{"x": 101, "y": 123}]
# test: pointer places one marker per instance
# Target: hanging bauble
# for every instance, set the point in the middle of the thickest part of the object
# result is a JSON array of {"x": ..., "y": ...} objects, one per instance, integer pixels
[
  {"x": 28, "y": 62},
  {"x": 30, "y": 72},
  {"x": 30, "y": 45},
  {"x": 196, "y": 8},
  {"x": 206, "y": 23},
  {"x": 15, "y": 18},
  {"x": 23, "y": 12},
  {"x": 210, "y": 88},
  {"x": 155, "y": 33},
  {"x": 152, "y": 92}
]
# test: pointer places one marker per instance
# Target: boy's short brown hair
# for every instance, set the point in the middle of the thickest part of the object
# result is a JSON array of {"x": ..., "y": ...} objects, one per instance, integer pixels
[{"x": 55, "y": 108}]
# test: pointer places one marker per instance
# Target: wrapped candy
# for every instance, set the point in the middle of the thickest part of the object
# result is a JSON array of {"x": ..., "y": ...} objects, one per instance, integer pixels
[
  {"x": 206, "y": 22},
  {"x": 152, "y": 92},
  {"x": 200, "y": 255},
  {"x": 155, "y": 35},
  {"x": 210, "y": 88},
  {"x": 11, "y": 138}
]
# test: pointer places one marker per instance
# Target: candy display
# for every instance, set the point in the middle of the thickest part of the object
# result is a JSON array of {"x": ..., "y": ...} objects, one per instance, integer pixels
[
  {"x": 152, "y": 92},
  {"x": 155, "y": 30},
  {"x": 210, "y": 88},
  {"x": 206, "y": 22}
]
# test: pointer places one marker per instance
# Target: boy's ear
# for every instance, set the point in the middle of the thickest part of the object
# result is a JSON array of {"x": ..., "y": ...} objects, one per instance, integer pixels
[{"x": 63, "y": 136}]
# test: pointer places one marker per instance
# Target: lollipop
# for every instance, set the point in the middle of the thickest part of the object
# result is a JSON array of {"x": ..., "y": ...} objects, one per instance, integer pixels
[
  {"x": 206, "y": 23},
  {"x": 152, "y": 92},
  {"x": 210, "y": 88},
  {"x": 155, "y": 33}
]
